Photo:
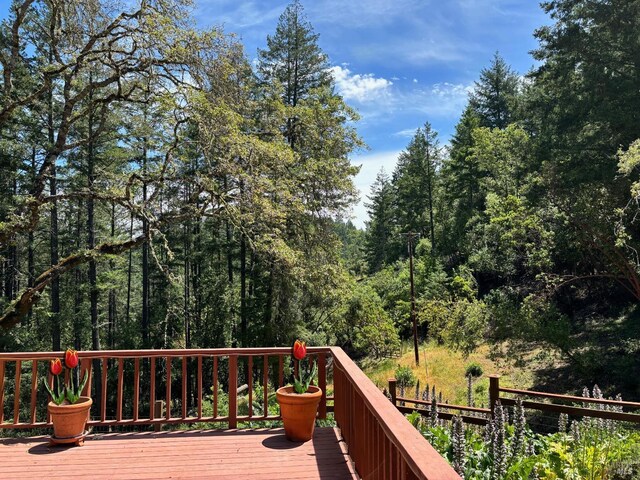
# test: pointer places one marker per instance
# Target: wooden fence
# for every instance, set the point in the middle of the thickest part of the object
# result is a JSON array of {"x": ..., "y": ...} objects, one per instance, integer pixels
[{"x": 480, "y": 416}]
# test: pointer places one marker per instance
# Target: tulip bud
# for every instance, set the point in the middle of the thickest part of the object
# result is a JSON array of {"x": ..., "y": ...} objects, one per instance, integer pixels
[
  {"x": 71, "y": 358},
  {"x": 56, "y": 366},
  {"x": 299, "y": 350}
]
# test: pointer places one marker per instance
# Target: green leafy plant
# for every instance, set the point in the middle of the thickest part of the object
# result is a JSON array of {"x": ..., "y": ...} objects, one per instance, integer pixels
[
  {"x": 301, "y": 381},
  {"x": 405, "y": 376}
]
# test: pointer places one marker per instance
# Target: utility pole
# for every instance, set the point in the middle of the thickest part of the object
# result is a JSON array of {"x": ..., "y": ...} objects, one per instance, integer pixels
[{"x": 414, "y": 321}]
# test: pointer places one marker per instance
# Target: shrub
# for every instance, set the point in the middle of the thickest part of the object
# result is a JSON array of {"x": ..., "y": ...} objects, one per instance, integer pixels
[
  {"x": 405, "y": 377},
  {"x": 474, "y": 370}
]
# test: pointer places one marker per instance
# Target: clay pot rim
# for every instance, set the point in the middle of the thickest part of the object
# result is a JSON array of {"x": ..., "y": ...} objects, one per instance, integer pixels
[
  {"x": 83, "y": 402},
  {"x": 312, "y": 392}
]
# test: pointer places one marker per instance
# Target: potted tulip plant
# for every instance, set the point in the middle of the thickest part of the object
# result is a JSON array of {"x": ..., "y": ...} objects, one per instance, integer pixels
[
  {"x": 299, "y": 402},
  {"x": 69, "y": 410}
]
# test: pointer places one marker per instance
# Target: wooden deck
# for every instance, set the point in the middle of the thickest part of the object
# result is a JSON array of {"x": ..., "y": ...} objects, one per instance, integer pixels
[{"x": 202, "y": 454}]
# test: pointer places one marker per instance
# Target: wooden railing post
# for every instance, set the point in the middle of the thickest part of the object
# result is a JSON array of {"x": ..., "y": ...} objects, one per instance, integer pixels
[
  {"x": 157, "y": 413},
  {"x": 494, "y": 391},
  {"x": 233, "y": 391},
  {"x": 392, "y": 390}
]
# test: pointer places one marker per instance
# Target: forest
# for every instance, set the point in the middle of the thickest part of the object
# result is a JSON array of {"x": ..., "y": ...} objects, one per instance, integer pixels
[{"x": 160, "y": 190}]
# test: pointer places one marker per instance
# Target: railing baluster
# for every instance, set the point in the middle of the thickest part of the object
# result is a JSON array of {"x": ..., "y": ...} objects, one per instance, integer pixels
[
  {"x": 16, "y": 396},
  {"x": 280, "y": 371},
  {"x": 103, "y": 414},
  {"x": 215, "y": 387},
  {"x": 233, "y": 391},
  {"x": 34, "y": 390},
  {"x": 199, "y": 386},
  {"x": 322, "y": 383},
  {"x": 136, "y": 387},
  {"x": 86, "y": 365},
  {"x": 184, "y": 386},
  {"x": 167, "y": 412},
  {"x": 50, "y": 380},
  {"x": 120, "y": 392},
  {"x": 250, "y": 384},
  {"x": 265, "y": 384},
  {"x": 152, "y": 388},
  {"x": 1, "y": 391}
]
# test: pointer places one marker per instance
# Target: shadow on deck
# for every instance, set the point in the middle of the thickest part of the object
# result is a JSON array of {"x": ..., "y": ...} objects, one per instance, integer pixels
[{"x": 215, "y": 454}]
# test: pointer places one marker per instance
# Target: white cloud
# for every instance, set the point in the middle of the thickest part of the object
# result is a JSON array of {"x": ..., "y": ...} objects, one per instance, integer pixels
[
  {"x": 439, "y": 100},
  {"x": 362, "y": 88},
  {"x": 406, "y": 133}
]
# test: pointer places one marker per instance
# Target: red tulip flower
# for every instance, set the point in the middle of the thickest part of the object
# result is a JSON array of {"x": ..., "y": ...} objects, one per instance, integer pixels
[
  {"x": 70, "y": 387},
  {"x": 71, "y": 358},
  {"x": 301, "y": 381},
  {"x": 299, "y": 350},
  {"x": 56, "y": 366}
]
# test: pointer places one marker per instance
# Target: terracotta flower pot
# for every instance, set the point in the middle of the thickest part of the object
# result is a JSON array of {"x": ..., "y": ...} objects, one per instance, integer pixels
[
  {"x": 69, "y": 420},
  {"x": 298, "y": 411}
]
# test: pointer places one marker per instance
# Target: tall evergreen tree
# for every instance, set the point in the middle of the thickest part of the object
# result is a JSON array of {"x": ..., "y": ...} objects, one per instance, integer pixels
[
  {"x": 380, "y": 227},
  {"x": 294, "y": 59},
  {"x": 415, "y": 182},
  {"x": 495, "y": 94},
  {"x": 316, "y": 125}
]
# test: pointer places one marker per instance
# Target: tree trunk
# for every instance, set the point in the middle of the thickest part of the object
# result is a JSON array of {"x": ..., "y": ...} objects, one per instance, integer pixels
[
  {"x": 243, "y": 291},
  {"x": 146, "y": 338},
  {"x": 129, "y": 267},
  {"x": 77, "y": 311},
  {"x": 53, "y": 238},
  {"x": 91, "y": 241},
  {"x": 112, "y": 291}
]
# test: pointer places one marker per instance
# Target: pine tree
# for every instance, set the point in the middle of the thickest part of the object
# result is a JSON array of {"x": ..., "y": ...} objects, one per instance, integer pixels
[
  {"x": 495, "y": 95},
  {"x": 294, "y": 60},
  {"x": 378, "y": 245},
  {"x": 415, "y": 182}
]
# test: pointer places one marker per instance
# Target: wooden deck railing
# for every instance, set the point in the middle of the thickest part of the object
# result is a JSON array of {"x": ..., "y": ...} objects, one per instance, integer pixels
[
  {"x": 161, "y": 386},
  {"x": 480, "y": 416},
  {"x": 603, "y": 407},
  {"x": 474, "y": 415},
  {"x": 133, "y": 384},
  {"x": 382, "y": 443}
]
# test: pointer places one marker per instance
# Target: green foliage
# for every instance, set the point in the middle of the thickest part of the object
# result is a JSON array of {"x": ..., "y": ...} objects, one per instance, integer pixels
[
  {"x": 302, "y": 381},
  {"x": 473, "y": 370},
  {"x": 591, "y": 451},
  {"x": 460, "y": 324},
  {"x": 380, "y": 243},
  {"x": 495, "y": 96},
  {"x": 365, "y": 325},
  {"x": 404, "y": 376},
  {"x": 514, "y": 242}
]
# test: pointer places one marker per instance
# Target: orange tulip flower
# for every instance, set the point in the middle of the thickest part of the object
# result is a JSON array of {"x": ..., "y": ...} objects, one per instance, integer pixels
[
  {"x": 299, "y": 350},
  {"x": 71, "y": 358},
  {"x": 56, "y": 366}
]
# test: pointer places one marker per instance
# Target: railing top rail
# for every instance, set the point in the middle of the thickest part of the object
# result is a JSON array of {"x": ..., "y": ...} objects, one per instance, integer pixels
[
  {"x": 425, "y": 462},
  {"x": 158, "y": 353},
  {"x": 570, "y": 398},
  {"x": 452, "y": 406}
]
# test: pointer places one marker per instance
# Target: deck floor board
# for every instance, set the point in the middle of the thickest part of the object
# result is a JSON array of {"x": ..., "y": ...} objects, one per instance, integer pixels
[{"x": 189, "y": 455}]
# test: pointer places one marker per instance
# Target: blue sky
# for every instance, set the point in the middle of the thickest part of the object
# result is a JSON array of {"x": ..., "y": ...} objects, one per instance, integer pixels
[{"x": 398, "y": 62}]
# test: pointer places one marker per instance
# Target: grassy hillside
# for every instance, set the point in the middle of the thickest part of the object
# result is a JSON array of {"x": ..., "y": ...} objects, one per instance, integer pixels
[{"x": 445, "y": 369}]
